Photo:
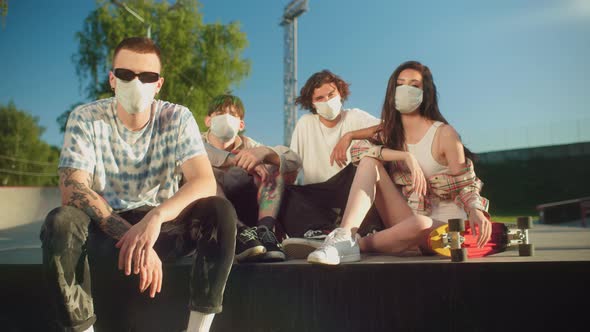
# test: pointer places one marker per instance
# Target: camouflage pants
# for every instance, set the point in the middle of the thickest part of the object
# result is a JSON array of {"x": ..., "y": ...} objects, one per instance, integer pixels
[{"x": 68, "y": 236}]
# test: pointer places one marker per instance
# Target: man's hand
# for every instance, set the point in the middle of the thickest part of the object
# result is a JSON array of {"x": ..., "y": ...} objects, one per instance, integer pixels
[
  {"x": 339, "y": 152},
  {"x": 151, "y": 274},
  {"x": 250, "y": 158},
  {"x": 484, "y": 226},
  {"x": 262, "y": 172},
  {"x": 137, "y": 242}
]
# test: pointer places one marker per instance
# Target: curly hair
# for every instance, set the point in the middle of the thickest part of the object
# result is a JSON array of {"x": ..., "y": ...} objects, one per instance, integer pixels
[{"x": 305, "y": 99}]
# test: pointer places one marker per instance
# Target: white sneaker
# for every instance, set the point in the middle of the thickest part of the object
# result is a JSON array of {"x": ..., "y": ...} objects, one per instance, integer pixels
[{"x": 339, "y": 247}]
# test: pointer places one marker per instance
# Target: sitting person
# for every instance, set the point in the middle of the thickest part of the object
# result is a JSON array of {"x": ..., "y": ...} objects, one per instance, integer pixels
[
  {"x": 252, "y": 176},
  {"x": 317, "y": 133},
  {"x": 318, "y": 204},
  {"x": 424, "y": 155},
  {"x": 122, "y": 203}
]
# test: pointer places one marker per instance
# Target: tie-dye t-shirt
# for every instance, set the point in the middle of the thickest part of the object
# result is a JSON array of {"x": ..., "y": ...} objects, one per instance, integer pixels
[{"x": 131, "y": 168}]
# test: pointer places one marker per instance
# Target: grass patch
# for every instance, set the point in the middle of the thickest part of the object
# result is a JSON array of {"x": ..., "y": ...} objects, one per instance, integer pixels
[{"x": 511, "y": 217}]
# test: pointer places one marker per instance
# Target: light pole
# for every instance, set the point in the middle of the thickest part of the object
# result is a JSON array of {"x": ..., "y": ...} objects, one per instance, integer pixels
[{"x": 294, "y": 9}]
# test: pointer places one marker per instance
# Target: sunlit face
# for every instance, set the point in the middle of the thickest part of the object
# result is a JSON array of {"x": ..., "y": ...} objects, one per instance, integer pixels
[
  {"x": 137, "y": 63},
  {"x": 324, "y": 93},
  {"x": 231, "y": 110},
  {"x": 410, "y": 77}
]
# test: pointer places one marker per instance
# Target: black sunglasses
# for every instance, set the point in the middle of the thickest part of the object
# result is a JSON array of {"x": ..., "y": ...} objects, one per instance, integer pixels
[{"x": 128, "y": 75}]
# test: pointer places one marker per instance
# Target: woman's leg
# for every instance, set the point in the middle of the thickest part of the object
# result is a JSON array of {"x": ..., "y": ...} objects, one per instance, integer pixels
[
  {"x": 362, "y": 193},
  {"x": 404, "y": 229},
  {"x": 340, "y": 245},
  {"x": 372, "y": 184}
]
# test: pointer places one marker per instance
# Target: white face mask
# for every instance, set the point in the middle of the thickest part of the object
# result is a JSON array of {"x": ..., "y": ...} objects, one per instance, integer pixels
[
  {"x": 330, "y": 109},
  {"x": 225, "y": 126},
  {"x": 134, "y": 96},
  {"x": 407, "y": 98}
]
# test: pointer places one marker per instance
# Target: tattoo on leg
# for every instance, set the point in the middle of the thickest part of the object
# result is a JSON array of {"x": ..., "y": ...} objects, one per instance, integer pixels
[{"x": 269, "y": 197}]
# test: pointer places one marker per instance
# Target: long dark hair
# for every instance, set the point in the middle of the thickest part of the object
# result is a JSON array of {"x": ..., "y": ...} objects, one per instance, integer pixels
[{"x": 393, "y": 134}]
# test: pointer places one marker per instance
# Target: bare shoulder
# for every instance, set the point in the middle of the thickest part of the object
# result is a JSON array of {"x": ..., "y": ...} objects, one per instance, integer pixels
[{"x": 447, "y": 132}]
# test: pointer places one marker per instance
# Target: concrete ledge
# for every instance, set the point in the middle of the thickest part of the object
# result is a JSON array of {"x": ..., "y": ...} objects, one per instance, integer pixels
[
  {"x": 503, "y": 292},
  {"x": 375, "y": 295}
]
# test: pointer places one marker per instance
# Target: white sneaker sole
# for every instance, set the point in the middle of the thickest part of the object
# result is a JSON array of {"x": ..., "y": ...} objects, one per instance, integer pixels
[
  {"x": 298, "y": 248},
  {"x": 343, "y": 259},
  {"x": 250, "y": 253}
]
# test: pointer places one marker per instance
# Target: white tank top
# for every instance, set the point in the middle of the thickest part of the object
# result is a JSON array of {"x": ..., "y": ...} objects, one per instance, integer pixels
[{"x": 422, "y": 150}]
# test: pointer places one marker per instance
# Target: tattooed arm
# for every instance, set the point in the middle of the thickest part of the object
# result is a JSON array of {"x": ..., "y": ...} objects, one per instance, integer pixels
[{"x": 74, "y": 185}]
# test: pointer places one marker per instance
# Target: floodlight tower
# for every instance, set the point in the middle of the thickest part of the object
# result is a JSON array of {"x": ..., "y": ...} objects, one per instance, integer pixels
[{"x": 294, "y": 9}]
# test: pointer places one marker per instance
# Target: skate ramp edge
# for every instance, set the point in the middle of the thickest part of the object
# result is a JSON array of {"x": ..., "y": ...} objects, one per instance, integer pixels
[{"x": 26, "y": 205}]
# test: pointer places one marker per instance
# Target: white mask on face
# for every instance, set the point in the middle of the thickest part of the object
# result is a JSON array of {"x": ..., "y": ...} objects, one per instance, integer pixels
[
  {"x": 407, "y": 98},
  {"x": 134, "y": 96},
  {"x": 225, "y": 126},
  {"x": 330, "y": 109}
]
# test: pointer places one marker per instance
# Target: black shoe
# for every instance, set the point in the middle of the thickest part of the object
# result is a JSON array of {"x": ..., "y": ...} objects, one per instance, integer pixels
[
  {"x": 248, "y": 247},
  {"x": 274, "y": 250}
]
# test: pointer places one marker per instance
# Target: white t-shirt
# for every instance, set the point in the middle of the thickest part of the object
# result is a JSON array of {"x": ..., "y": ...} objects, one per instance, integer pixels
[
  {"x": 131, "y": 168},
  {"x": 314, "y": 142}
]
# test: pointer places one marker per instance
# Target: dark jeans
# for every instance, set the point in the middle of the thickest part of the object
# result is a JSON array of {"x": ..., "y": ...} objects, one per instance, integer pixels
[
  {"x": 69, "y": 237},
  {"x": 320, "y": 206}
]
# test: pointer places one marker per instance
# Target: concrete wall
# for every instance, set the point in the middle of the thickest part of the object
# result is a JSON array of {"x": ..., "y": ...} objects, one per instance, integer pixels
[{"x": 25, "y": 205}]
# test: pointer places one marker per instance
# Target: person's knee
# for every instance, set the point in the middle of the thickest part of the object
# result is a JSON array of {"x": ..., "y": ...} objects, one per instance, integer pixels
[
  {"x": 369, "y": 164},
  {"x": 370, "y": 167},
  {"x": 423, "y": 222},
  {"x": 222, "y": 211},
  {"x": 64, "y": 221}
]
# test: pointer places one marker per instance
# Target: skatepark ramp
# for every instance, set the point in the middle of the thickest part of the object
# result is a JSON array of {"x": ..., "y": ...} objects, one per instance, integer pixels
[{"x": 26, "y": 205}]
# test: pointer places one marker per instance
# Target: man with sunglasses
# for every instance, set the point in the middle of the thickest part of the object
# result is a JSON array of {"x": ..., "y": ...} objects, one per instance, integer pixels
[{"x": 120, "y": 171}]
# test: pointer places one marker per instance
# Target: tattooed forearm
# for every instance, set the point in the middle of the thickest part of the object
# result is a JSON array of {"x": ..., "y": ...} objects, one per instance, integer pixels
[
  {"x": 81, "y": 201},
  {"x": 77, "y": 192},
  {"x": 67, "y": 181},
  {"x": 114, "y": 226}
]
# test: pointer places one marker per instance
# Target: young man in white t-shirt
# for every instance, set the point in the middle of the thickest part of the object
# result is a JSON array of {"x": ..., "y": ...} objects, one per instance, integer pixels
[
  {"x": 317, "y": 133},
  {"x": 327, "y": 172},
  {"x": 123, "y": 205}
]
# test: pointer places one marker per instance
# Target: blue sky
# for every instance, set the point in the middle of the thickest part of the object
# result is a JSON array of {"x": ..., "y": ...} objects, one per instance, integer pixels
[{"x": 510, "y": 73}]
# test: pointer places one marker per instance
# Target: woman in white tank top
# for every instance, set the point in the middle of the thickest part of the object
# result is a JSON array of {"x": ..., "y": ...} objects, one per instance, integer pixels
[{"x": 423, "y": 152}]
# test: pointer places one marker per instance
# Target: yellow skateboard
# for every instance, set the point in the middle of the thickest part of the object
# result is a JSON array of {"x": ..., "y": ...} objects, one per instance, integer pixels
[{"x": 456, "y": 239}]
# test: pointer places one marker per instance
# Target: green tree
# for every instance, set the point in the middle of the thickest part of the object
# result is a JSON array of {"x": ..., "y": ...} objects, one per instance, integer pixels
[
  {"x": 3, "y": 11},
  {"x": 25, "y": 159},
  {"x": 199, "y": 60}
]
